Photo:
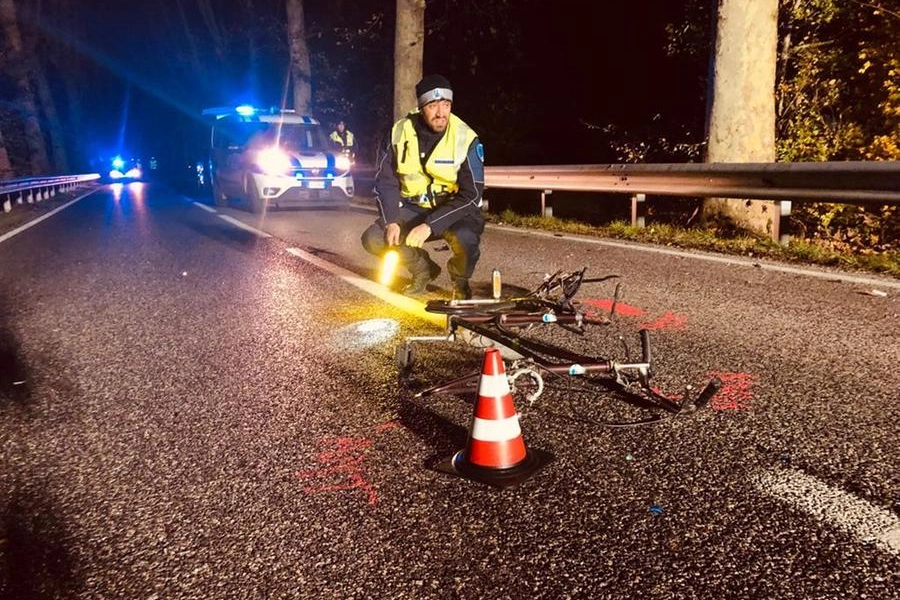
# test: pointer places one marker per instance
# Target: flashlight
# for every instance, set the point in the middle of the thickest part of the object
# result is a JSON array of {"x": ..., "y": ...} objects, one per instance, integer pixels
[
  {"x": 389, "y": 263},
  {"x": 496, "y": 284}
]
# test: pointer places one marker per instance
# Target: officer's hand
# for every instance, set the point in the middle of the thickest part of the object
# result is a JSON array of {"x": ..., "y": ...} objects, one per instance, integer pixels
[
  {"x": 417, "y": 236},
  {"x": 392, "y": 234}
]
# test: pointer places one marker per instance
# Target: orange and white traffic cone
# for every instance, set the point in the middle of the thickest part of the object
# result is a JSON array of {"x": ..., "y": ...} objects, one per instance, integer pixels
[{"x": 495, "y": 452}]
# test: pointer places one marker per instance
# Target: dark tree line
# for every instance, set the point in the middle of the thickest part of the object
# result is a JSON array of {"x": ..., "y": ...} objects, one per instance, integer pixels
[
  {"x": 511, "y": 62},
  {"x": 542, "y": 81}
]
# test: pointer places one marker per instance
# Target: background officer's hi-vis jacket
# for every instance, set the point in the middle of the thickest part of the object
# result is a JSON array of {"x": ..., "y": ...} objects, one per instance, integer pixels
[
  {"x": 439, "y": 173},
  {"x": 345, "y": 141}
]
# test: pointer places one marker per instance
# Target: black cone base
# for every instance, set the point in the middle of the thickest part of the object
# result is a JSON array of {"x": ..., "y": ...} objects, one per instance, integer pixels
[{"x": 459, "y": 465}]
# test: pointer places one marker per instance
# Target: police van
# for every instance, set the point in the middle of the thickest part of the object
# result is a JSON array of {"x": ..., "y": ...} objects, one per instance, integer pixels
[{"x": 275, "y": 158}]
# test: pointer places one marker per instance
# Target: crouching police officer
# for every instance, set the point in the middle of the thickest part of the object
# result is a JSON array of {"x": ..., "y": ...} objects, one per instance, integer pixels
[{"x": 429, "y": 185}]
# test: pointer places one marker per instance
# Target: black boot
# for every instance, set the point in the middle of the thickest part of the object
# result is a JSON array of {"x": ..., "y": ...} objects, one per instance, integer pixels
[
  {"x": 423, "y": 271},
  {"x": 461, "y": 289}
]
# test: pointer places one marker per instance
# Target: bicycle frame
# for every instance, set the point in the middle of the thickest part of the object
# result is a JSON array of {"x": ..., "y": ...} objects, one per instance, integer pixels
[{"x": 501, "y": 321}]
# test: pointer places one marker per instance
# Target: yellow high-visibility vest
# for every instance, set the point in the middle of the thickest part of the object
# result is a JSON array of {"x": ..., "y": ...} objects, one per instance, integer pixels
[
  {"x": 439, "y": 174},
  {"x": 336, "y": 138}
]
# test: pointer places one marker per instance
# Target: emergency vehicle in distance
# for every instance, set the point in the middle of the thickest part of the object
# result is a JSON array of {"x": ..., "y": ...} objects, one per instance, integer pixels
[
  {"x": 122, "y": 170},
  {"x": 274, "y": 158}
]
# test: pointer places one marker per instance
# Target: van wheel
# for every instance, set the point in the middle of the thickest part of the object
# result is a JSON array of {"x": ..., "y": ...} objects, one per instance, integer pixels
[
  {"x": 219, "y": 197},
  {"x": 257, "y": 204}
]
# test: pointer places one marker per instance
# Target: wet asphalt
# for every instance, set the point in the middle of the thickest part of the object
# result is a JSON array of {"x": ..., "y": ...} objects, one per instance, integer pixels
[{"x": 188, "y": 410}]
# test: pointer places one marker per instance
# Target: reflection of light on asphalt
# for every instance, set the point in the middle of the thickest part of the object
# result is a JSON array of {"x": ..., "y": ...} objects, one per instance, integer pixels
[
  {"x": 365, "y": 334},
  {"x": 117, "y": 191},
  {"x": 135, "y": 192},
  {"x": 136, "y": 189}
]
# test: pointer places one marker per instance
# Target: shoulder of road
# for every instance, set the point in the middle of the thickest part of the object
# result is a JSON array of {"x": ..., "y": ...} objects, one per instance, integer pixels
[{"x": 23, "y": 214}]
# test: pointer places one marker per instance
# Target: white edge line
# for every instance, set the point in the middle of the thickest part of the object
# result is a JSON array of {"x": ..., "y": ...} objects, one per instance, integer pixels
[
  {"x": 208, "y": 209},
  {"x": 712, "y": 258},
  {"x": 244, "y": 226},
  {"x": 34, "y": 222},
  {"x": 867, "y": 522},
  {"x": 699, "y": 255},
  {"x": 405, "y": 304}
]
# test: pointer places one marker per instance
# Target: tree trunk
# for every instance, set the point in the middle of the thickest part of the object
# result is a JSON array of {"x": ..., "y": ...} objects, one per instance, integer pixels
[
  {"x": 741, "y": 121},
  {"x": 60, "y": 157},
  {"x": 70, "y": 68},
  {"x": 6, "y": 170},
  {"x": 409, "y": 49},
  {"x": 213, "y": 26},
  {"x": 18, "y": 68},
  {"x": 59, "y": 161},
  {"x": 300, "y": 67}
]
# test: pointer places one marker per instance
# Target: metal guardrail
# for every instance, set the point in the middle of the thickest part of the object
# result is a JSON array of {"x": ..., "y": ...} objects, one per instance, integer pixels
[
  {"x": 850, "y": 182},
  {"x": 34, "y": 189}
]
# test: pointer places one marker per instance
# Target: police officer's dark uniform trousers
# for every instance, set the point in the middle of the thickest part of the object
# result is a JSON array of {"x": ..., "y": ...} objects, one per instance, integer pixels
[{"x": 463, "y": 237}]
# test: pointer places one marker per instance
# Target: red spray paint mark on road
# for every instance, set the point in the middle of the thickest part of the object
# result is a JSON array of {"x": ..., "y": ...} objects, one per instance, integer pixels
[
  {"x": 342, "y": 467},
  {"x": 622, "y": 309},
  {"x": 668, "y": 321},
  {"x": 735, "y": 393}
]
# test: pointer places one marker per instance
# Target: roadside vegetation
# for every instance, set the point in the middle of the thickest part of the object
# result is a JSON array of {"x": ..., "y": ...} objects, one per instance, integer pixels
[{"x": 814, "y": 250}]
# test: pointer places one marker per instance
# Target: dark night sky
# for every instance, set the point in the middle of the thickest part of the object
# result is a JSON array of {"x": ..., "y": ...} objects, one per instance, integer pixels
[{"x": 537, "y": 80}]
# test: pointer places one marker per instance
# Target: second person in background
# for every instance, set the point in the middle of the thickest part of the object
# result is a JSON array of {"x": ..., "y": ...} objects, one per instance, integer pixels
[{"x": 343, "y": 139}]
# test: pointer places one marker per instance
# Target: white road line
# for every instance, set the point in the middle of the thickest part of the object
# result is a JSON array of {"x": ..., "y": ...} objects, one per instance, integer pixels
[
  {"x": 700, "y": 255},
  {"x": 756, "y": 264},
  {"x": 205, "y": 207},
  {"x": 244, "y": 226},
  {"x": 413, "y": 307},
  {"x": 22, "y": 228},
  {"x": 867, "y": 522}
]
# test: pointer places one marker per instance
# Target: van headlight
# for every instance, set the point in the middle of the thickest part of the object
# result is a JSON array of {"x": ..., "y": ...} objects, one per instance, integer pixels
[
  {"x": 342, "y": 162},
  {"x": 273, "y": 161}
]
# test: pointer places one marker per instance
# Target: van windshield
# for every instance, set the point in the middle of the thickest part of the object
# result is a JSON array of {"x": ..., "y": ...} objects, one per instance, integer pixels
[{"x": 302, "y": 137}]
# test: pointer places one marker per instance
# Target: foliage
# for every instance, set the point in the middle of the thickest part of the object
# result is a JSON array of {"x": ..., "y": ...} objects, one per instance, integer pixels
[
  {"x": 838, "y": 98},
  {"x": 351, "y": 45},
  {"x": 848, "y": 228},
  {"x": 838, "y": 92}
]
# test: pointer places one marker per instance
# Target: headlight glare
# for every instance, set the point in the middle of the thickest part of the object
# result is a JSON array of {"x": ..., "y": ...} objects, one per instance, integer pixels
[
  {"x": 273, "y": 161},
  {"x": 342, "y": 163}
]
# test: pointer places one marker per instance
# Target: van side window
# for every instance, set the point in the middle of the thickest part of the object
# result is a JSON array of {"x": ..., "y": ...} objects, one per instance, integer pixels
[
  {"x": 231, "y": 133},
  {"x": 224, "y": 135}
]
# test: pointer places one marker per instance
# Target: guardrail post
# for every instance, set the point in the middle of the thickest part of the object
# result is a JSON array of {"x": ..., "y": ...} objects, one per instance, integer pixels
[
  {"x": 546, "y": 208},
  {"x": 779, "y": 222},
  {"x": 638, "y": 210},
  {"x": 7, "y": 204}
]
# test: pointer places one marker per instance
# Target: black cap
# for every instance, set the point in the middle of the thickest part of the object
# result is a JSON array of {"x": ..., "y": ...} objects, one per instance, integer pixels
[{"x": 433, "y": 87}]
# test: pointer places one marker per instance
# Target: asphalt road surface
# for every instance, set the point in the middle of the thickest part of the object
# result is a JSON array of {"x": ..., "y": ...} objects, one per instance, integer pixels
[{"x": 198, "y": 402}]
